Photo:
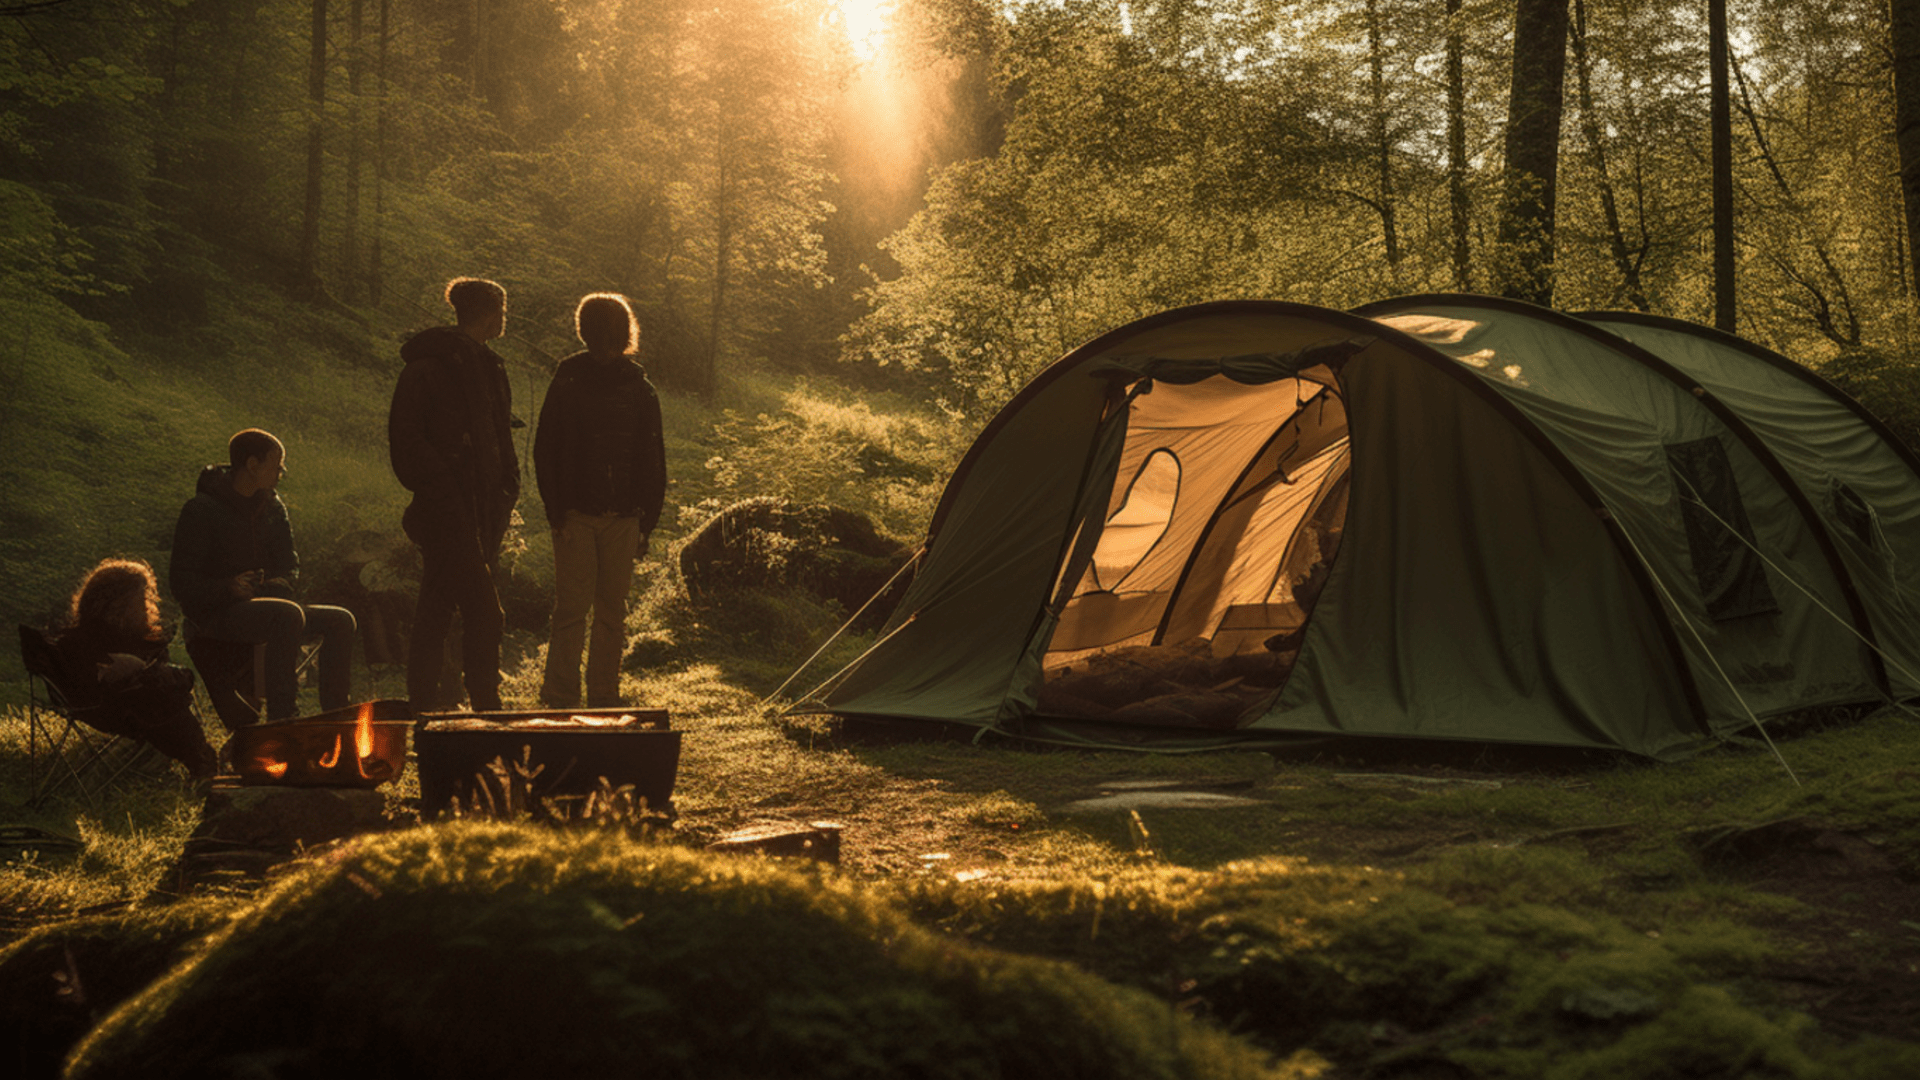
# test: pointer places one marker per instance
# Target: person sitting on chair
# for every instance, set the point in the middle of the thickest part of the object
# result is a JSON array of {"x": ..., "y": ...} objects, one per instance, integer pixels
[
  {"x": 114, "y": 653},
  {"x": 232, "y": 572}
]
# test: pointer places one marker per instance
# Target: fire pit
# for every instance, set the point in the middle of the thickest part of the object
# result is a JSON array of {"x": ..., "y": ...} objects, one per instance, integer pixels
[
  {"x": 362, "y": 745},
  {"x": 573, "y": 747}
]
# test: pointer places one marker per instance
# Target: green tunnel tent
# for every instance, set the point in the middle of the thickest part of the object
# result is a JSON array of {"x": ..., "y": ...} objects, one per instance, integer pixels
[{"x": 1439, "y": 517}]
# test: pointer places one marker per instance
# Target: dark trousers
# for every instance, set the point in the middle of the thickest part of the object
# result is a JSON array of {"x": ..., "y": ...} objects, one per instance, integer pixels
[
  {"x": 453, "y": 579},
  {"x": 158, "y": 707},
  {"x": 282, "y": 625}
]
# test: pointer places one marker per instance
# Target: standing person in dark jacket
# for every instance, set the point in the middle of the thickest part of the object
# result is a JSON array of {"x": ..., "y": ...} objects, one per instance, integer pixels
[
  {"x": 601, "y": 463},
  {"x": 449, "y": 435},
  {"x": 232, "y": 572}
]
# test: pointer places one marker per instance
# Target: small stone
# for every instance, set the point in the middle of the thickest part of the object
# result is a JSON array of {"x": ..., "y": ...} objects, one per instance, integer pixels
[{"x": 1160, "y": 800}]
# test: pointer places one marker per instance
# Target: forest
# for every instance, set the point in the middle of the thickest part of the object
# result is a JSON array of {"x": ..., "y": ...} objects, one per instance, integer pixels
[
  {"x": 852, "y": 231},
  {"x": 931, "y": 199}
]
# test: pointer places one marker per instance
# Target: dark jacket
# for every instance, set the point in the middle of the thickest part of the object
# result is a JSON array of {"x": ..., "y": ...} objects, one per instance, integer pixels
[
  {"x": 83, "y": 648},
  {"x": 449, "y": 435},
  {"x": 599, "y": 448},
  {"x": 219, "y": 534}
]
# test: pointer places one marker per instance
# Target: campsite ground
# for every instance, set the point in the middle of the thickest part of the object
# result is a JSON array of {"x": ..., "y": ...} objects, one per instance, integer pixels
[{"x": 1473, "y": 912}]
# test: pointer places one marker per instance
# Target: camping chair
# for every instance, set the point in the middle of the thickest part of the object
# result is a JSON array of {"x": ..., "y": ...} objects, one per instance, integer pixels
[{"x": 76, "y": 755}]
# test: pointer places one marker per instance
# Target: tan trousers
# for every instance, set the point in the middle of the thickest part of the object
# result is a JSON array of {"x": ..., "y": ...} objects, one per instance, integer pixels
[{"x": 592, "y": 569}]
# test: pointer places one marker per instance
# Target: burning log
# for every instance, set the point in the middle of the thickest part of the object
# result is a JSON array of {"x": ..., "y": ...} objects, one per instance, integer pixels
[{"x": 362, "y": 745}]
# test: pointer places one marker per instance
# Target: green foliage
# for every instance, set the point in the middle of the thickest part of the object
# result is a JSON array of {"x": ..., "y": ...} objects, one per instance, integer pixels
[
  {"x": 564, "y": 954},
  {"x": 822, "y": 447}
]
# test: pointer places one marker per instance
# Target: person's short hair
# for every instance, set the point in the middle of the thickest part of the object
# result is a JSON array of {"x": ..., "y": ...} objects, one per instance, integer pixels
[
  {"x": 250, "y": 444},
  {"x": 475, "y": 298},
  {"x": 606, "y": 319}
]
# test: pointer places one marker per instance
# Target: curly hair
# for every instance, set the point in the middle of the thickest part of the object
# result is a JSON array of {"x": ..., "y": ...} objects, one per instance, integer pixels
[{"x": 106, "y": 586}]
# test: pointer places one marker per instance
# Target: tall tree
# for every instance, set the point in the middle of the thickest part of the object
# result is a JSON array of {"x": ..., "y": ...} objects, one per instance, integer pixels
[
  {"x": 1906, "y": 90},
  {"x": 350, "y": 199},
  {"x": 1382, "y": 141},
  {"x": 1525, "y": 259},
  {"x": 1459, "y": 206},
  {"x": 379, "y": 155},
  {"x": 1720, "y": 119},
  {"x": 307, "y": 274},
  {"x": 1625, "y": 261}
]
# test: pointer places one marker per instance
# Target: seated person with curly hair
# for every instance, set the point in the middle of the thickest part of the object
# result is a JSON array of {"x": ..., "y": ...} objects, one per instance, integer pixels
[{"x": 114, "y": 652}]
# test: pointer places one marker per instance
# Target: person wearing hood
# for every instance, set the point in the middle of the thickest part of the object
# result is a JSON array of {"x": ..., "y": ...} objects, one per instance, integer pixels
[
  {"x": 233, "y": 568},
  {"x": 601, "y": 464},
  {"x": 449, "y": 435}
]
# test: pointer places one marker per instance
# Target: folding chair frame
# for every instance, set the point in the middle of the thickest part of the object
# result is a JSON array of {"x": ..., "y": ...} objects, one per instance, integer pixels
[{"x": 76, "y": 739}]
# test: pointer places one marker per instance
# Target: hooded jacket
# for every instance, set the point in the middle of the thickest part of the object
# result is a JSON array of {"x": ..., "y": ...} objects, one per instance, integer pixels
[
  {"x": 449, "y": 436},
  {"x": 221, "y": 534},
  {"x": 599, "y": 448}
]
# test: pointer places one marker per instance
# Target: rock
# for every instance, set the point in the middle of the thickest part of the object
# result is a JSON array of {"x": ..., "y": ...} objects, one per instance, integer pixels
[
  {"x": 1160, "y": 800},
  {"x": 289, "y": 818},
  {"x": 818, "y": 840},
  {"x": 831, "y": 552}
]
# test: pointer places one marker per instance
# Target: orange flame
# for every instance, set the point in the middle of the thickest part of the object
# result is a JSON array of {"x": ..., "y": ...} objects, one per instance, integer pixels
[
  {"x": 275, "y": 769},
  {"x": 332, "y": 757},
  {"x": 363, "y": 732}
]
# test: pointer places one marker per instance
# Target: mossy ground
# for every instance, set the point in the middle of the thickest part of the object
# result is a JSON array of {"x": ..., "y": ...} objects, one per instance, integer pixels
[{"x": 1366, "y": 918}]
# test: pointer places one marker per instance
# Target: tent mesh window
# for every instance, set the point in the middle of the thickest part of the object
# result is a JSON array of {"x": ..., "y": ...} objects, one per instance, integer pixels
[{"x": 1732, "y": 580}]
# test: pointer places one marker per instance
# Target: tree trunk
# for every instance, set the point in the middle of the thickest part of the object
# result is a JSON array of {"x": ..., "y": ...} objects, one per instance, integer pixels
[
  {"x": 1720, "y": 119},
  {"x": 1382, "y": 147},
  {"x": 1533, "y": 150},
  {"x": 316, "y": 103},
  {"x": 350, "y": 226},
  {"x": 1906, "y": 93},
  {"x": 1597, "y": 151},
  {"x": 1457, "y": 151},
  {"x": 379, "y": 159},
  {"x": 722, "y": 256}
]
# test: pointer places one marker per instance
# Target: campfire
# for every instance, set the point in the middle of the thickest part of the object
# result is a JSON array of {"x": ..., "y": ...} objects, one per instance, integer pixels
[{"x": 362, "y": 745}]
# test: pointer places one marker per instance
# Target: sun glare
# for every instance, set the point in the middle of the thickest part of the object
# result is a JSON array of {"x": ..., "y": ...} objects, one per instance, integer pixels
[{"x": 866, "y": 23}]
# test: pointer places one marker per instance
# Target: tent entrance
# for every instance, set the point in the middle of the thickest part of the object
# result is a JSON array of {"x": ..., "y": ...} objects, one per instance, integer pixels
[{"x": 1223, "y": 520}]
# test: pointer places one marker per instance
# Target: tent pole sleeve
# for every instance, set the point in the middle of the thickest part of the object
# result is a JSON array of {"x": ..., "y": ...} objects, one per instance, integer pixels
[
  {"x": 1680, "y": 613},
  {"x": 851, "y": 619}
]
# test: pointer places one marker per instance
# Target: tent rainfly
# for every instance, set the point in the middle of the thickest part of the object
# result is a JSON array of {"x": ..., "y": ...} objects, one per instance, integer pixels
[{"x": 1436, "y": 517}]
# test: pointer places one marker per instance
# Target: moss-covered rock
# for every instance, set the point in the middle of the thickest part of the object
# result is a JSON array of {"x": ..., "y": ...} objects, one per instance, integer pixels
[
  {"x": 485, "y": 950},
  {"x": 56, "y": 981},
  {"x": 767, "y": 543}
]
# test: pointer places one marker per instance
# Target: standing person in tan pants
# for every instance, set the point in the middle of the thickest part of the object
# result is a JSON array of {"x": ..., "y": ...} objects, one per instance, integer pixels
[{"x": 601, "y": 464}]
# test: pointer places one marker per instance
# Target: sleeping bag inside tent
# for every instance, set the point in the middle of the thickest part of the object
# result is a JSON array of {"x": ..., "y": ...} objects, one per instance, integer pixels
[{"x": 1440, "y": 517}]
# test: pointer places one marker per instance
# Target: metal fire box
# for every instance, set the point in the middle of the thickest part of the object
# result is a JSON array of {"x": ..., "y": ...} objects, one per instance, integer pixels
[
  {"x": 573, "y": 747},
  {"x": 362, "y": 745}
]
